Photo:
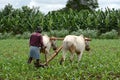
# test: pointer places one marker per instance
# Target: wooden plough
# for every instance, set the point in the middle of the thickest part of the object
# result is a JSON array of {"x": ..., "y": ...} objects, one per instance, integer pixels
[
  {"x": 53, "y": 55},
  {"x": 55, "y": 52}
]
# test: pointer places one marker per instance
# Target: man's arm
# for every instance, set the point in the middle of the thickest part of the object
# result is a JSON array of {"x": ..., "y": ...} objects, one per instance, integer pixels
[{"x": 41, "y": 41}]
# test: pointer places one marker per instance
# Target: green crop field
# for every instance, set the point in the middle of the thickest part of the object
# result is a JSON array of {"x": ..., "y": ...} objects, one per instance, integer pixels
[{"x": 101, "y": 63}]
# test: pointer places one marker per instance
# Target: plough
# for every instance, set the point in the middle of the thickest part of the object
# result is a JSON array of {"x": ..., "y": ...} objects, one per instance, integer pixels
[
  {"x": 53, "y": 55},
  {"x": 55, "y": 52}
]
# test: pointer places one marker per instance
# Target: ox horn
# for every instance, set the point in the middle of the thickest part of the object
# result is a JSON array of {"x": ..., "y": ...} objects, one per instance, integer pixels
[{"x": 87, "y": 39}]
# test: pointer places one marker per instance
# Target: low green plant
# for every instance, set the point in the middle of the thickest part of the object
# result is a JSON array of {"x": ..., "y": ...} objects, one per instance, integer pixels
[
  {"x": 1, "y": 36},
  {"x": 86, "y": 33},
  {"x": 59, "y": 33},
  {"x": 6, "y": 35},
  {"x": 100, "y": 63},
  {"x": 90, "y": 33},
  {"x": 18, "y": 36},
  {"x": 26, "y": 35},
  {"x": 113, "y": 34},
  {"x": 78, "y": 32}
]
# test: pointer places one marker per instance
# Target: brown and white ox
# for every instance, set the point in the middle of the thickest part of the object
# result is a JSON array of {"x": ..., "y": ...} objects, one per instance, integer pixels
[
  {"x": 74, "y": 44},
  {"x": 48, "y": 43}
]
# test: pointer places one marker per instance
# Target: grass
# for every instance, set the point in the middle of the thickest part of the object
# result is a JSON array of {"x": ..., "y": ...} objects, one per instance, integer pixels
[{"x": 101, "y": 63}]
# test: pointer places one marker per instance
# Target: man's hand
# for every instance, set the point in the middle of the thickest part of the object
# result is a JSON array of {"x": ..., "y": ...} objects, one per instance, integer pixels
[{"x": 43, "y": 47}]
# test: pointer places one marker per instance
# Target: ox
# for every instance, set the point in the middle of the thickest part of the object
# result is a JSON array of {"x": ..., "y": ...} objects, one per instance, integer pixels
[
  {"x": 74, "y": 44},
  {"x": 48, "y": 43}
]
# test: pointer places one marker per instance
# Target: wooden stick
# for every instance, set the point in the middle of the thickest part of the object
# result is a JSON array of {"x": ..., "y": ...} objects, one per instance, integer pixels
[
  {"x": 59, "y": 38},
  {"x": 53, "y": 55},
  {"x": 54, "y": 38}
]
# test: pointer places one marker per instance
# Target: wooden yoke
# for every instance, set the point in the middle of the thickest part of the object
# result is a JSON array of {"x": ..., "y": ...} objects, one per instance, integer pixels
[
  {"x": 53, "y": 55},
  {"x": 54, "y": 38}
]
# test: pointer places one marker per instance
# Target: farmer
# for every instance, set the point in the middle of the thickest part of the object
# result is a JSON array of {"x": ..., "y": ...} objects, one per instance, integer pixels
[{"x": 36, "y": 43}]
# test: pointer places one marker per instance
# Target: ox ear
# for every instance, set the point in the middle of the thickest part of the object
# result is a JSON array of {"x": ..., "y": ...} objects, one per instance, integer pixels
[{"x": 87, "y": 39}]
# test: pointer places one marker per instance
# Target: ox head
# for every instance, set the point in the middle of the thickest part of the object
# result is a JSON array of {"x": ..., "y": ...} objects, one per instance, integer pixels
[
  {"x": 87, "y": 40},
  {"x": 53, "y": 43}
]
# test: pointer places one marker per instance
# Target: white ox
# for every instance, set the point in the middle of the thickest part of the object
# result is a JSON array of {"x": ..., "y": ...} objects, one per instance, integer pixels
[
  {"x": 48, "y": 43},
  {"x": 74, "y": 44}
]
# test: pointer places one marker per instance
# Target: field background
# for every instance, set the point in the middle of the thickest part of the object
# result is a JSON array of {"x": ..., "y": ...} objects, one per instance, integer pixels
[{"x": 101, "y": 63}]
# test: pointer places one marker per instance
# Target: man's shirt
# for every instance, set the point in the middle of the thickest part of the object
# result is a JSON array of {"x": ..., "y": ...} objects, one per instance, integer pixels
[{"x": 36, "y": 39}]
